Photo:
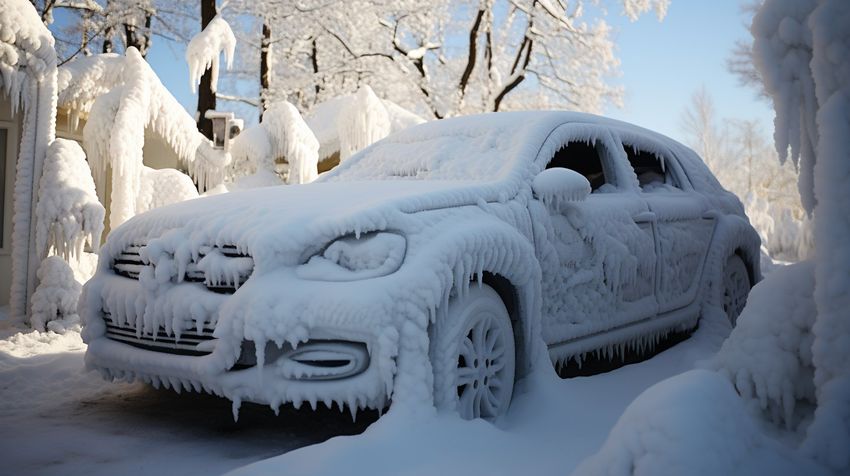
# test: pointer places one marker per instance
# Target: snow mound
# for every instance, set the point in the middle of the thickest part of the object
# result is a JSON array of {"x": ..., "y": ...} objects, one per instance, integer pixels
[
  {"x": 692, "y": 424},
  {"x": 205, "y": 48},
  {"x": 69, "y": 213},
  {"x": 768, "y": 355},
  {"x": 54, "y": 303}
]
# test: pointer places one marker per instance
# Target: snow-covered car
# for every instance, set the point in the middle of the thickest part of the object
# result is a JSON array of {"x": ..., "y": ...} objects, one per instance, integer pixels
[{"x": 436, "y": 266}]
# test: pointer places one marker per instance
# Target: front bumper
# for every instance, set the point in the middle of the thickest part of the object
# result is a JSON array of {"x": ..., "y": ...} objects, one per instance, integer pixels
[{"x": 322, "y": 370}]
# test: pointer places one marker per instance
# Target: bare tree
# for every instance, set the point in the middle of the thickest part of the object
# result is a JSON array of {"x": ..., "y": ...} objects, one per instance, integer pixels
[
  {"x": 511, "y": 53},
  {"x": 108, "y": 26},
  {"x": 206, "y": 95}
]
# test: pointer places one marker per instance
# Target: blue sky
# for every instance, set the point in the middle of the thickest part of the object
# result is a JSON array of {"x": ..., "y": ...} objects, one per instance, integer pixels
[{"x": 662, "y": 65}]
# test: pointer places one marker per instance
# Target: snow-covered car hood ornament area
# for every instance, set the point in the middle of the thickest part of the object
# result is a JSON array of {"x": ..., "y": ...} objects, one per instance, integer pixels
[{"x": 437, "y": 266}]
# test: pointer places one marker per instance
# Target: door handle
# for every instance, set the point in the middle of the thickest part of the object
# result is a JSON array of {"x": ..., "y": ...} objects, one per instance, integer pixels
[{"x": 645, "y": 216}]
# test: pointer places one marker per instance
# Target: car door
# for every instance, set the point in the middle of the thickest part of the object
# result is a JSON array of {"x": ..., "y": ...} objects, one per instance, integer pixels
[
  {"x": 683, "y": 230},
  {"x": 599, "y": 255}
]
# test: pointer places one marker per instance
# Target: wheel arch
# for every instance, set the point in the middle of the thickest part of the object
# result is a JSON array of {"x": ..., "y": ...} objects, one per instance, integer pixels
[
  {"x": 733, "y": 235},
  {"x": 509, "y": 294}
]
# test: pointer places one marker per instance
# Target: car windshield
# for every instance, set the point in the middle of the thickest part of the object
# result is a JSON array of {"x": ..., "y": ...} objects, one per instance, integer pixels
[{"x": 454, "y": 149}]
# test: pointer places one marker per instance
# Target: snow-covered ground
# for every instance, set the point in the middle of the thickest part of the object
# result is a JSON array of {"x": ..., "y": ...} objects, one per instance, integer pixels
[{"x": 58, "y": 419}]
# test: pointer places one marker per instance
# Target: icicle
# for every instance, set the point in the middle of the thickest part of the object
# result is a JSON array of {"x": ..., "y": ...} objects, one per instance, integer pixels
[{"x": 237, "y": 403}]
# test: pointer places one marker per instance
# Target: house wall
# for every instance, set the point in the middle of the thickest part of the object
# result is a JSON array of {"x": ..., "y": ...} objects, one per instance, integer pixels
[
  {"x": 156, "y": 154},
  {"x": 10, "y": 122}
]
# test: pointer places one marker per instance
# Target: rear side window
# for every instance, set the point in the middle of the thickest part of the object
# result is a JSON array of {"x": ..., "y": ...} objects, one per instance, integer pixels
[
  {"x": 584, "y": 158},
  {"x": 652, "y": 170}
]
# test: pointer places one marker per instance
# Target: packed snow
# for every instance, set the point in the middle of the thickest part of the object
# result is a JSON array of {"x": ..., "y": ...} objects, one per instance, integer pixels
[{"x": 206, "y": 47}]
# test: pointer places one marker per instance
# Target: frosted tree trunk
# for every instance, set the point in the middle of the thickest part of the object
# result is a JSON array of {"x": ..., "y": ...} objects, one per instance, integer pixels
[
  {"x": 265, "y": 66},
  {"x": 206, "y": 96}
]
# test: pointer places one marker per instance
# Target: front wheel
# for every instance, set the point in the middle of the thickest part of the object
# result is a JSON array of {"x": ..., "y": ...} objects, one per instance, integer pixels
[
  {"x": 474, "y": 355},
  {"x": 736, "y": 287}
]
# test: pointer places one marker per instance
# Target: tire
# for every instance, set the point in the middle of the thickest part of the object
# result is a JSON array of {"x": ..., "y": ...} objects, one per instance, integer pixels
[
  {"x": 474, "y": 355},
  {"x": 736, "y": 287}
]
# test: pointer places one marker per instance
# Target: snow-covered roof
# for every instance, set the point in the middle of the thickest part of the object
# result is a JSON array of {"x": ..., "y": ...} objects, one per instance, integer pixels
[
  {"x": 114, "y": 133},
  {"x": 25, "y": 43},
  {"x": 322, "y": 119},
  {"x": 86, "y": 78}
]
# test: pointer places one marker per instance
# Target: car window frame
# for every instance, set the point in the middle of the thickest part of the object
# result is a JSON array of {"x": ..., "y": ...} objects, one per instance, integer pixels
[
  {"x": 672, "y": 166},
  {"x": 612, "y": 166}
]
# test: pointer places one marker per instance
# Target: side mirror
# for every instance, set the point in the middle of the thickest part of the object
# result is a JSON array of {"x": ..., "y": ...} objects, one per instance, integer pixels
[{"x": 558, "y": 185}]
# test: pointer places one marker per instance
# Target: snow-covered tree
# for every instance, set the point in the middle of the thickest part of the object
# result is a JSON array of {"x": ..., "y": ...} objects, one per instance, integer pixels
[
  {"x": 508, "y": 54},
  {"x": 106, "y": 26},
  {"x": 802, "y": 51},
  {"x": 743, "y": 161}
]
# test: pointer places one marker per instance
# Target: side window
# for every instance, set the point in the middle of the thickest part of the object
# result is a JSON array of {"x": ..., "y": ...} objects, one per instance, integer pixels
[
  {"x": 586, "y": 159},
  {"x": 651, "y": 170}
]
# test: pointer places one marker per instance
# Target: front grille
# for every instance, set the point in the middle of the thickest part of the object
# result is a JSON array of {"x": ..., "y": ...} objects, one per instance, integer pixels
[
  {"x": 130, "y": 264},
  {"x": 161, "y": 341}
]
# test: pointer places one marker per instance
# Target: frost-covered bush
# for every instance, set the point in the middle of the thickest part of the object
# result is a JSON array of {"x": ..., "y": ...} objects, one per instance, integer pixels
[
  {"x": 54, "y": 303},
  {"x": 768, "y": 356},
  {"x": 68, "y": 213}
]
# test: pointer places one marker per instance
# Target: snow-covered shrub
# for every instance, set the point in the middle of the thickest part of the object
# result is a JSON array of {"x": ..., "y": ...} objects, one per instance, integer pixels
[
  {"x": 362, "y": 122},
  {"x": 68, "y": 213},
  {"x": 282, "y": 134},
  {"x": 691, "y": 424},
  {"x": 205, "y": 48},
  {"x": 768, "y": 356},
  {"x": 54, "y": 303}
]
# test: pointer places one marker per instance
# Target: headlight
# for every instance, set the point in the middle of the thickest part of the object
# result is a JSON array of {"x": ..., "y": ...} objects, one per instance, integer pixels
[{"x": 348, "y": 258}]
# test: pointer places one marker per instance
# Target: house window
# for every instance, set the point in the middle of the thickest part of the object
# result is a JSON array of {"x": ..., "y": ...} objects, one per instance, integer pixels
[{"x": 584, "y": 158}]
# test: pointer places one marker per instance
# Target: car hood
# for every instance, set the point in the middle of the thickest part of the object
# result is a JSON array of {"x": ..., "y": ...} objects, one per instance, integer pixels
[{"x": 287, "y": 220}]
